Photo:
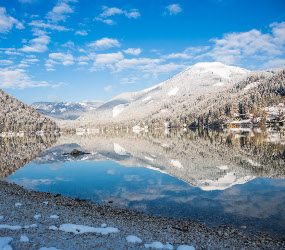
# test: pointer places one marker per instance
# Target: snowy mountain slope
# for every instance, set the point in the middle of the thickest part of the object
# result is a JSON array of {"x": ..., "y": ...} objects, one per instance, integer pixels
[
  {"x": 200, "y": 79},
  {"x": 66, "y": 110}
]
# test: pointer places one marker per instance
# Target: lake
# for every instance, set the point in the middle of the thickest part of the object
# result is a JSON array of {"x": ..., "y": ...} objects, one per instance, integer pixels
[{"x": 226, "y": 177}]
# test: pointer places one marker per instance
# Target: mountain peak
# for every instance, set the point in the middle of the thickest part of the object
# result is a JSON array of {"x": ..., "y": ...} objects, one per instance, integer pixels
[{"x": 218, "y": 68}]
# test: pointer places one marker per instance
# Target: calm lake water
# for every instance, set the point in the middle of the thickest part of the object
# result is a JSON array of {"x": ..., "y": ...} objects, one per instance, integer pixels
[{"x": 220, "y": 178}]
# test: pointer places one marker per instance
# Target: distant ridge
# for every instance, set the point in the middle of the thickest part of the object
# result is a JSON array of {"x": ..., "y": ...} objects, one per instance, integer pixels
[{"x": 66, "y": 110}]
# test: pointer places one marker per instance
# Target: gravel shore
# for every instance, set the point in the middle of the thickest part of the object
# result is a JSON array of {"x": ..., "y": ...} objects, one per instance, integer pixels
[{"x": 45, "y": 221}]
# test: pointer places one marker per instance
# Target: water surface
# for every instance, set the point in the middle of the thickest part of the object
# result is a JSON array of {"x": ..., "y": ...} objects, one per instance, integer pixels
[{"x": 215, "y": 177}]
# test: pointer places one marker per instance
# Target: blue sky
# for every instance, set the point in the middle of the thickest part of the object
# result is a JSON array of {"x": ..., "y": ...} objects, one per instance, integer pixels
[{"x": 75, "y": 50}]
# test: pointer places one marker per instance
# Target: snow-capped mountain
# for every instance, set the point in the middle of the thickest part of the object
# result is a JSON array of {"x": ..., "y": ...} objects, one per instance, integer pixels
[
  {"x": 200, "y": 79},
  {"x": 66, "y": 110}
]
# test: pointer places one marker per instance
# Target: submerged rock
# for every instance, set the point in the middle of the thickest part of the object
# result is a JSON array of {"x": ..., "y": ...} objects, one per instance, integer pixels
[{"x": 75, "y": 153}]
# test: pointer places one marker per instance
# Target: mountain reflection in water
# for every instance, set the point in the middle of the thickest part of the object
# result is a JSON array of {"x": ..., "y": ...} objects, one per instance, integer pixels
[{"x": 235, "y": 178}]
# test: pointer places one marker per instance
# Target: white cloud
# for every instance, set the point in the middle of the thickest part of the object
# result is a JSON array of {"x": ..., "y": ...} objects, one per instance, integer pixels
[
  {"x": 133, "y": 51},
  {"x": 49, "y": 66},
  {"x": 37, "y": 45},
  {"x": 18, "y": 78},
  {"x": 192, "y": 51},
  {"x": 33, "y": 60},
  {"x": 82, "y": 63},
  {"x": 108, "y": 58},
  {"x": 13, "y": 53},
  {"x": 81, "y": 33},
  {"x": 129, "y": 80},
  {"x": 166, "y": 68},
  {"x": 107, "y": 21},
  {"x": 104, "y": 43},
  {"x": 6, "y": 62},
  {"x": 7, "y": 22},
  {"x": 60, "y": 11},
  {"x": 25, "y": 63},
  {"x": 27, "y": 1},
  {"x": 278, "y": 31},
  {"x": 234, "y": 47},
  {"x": 109, "y": 12},
  {"x": 61, "y": 58},
  {"x": 177, "y": 56},
  {"x": 108, "y": 88},
  {"x": 42, "y": 24},
  {"x": 133, "y": 13},
  {"x": 69, "y": 44},
  {"x": 60, "y": 84},
  {"x": 276, "y": 63},
  {"x": 140, "y": 63},
  {"x": 173, "y": 9}
]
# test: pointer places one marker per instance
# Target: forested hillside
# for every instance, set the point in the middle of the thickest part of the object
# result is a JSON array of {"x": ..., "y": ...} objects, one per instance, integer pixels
[
  {"x": 250, "y": 96},
  {"x": 16, "y": 116}
]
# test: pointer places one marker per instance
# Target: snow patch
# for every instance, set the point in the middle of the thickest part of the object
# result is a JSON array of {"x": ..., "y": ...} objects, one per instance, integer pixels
[
  {"x": 37, "y": 216},
  {"x": 31, "y": 226},
  {"x": 45, "y": 202},
  {"x": 219, "y": 84},
  {"x": 4, "y": 243},
  {"x": 146, "y": 99},
  {"x": 1, "y": 217},
  {"x": 133, "y": 239},
  {"x": 80, "y": 229},
  {"x": 119, "y": 109},
  {"x": 18, "y": 204},
  {"x": 155, "y": 169},
  {"x": 49, "y": 248},
  {"x": 253, "y": 163},
  {"x": 251, "y": 86},
  {"x": 119, "y": 150},
  {"x": 223, "y": 167},
  {"x": 225, "y": 182},
  {"x": 159, "y": 245},
  {"x": 10, "y": 227},
  {"x": 104, "y": 225},
  {"x": 62, "y": 110},
  {"x": 149, "y": 158},
  {"x": 54, "y": 216},
  {"x": 176, "y": 163},
  {"x": 185, "y": 247},
  {"x": 173, "y": 91},
  {"x": 137, "y": 129},
  {"x": 24, "y": 239}
]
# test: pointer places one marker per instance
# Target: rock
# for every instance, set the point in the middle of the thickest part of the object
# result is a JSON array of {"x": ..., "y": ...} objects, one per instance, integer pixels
[{"x": 75, "y": 153}]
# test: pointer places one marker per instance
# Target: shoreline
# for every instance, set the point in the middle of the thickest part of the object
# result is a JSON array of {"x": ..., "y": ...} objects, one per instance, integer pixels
[{"x": 148, "y": 228}]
